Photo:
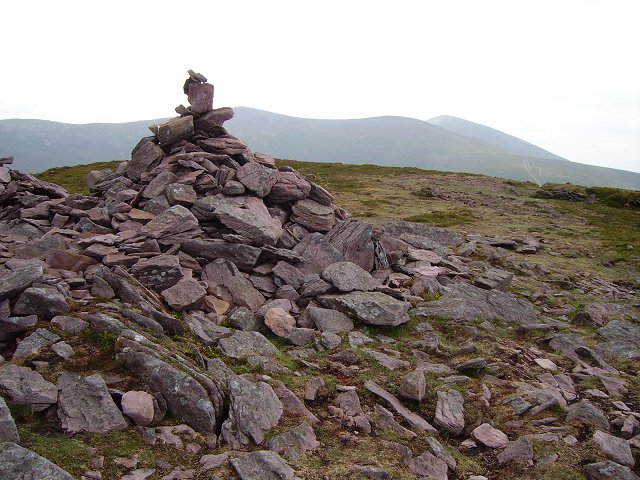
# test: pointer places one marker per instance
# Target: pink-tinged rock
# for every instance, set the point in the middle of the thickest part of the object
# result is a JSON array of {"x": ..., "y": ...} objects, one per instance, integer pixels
[
  {"x": 489, "y": 436},
  {"x": 68, "y": 260},
  {"x": 200, "y": 97},
  {"x": 279, "y": 321},
  {"x": 138, "y": 406},
  {"x": 312, "y": 388},
  {"x": 257, "y": 178},
  {"x": 614, "y": 448},
  {"x": 186, "y": 293},
  {"x": 173, "y": 130}
]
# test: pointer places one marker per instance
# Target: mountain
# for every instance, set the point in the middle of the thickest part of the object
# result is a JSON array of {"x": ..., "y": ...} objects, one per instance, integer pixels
[
  {"x": 393, "y": 141},
  {"x": 507, "y": 143}
]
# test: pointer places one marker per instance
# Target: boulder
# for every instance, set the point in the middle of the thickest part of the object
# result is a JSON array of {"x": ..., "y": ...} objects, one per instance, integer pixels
[
  {"x": 313, "y": 215},
  {"x": 8, "y": 430},
  {"x": 257, "y": 178},
  {"x": 200, "y": 97},
  {"x": 19, "y": 463},
  {"x": 159, "y": 272},
  {"x": 279, "y": 321},
  {"x": 586, "y": 412},
  {"x": 33, "y": 345},
  {"x": 15, "y": 281},
  {"x": 247, "y": 424},
  {"x": 327, "y": 320},
  {"x": 262, "y": 465},
  {"x": 294, "y": 443},
  {"x": 25, "y": 386},
  {"x": 85, "y": 405},
  {"x": 288, "y": 187},
  {"x": 184, "y": 294},
  {"x": 519, "y": 450},
  {"x": 609, "y": 471},
  {"x": 413, "y": 386},
  {"x": 245, "y": 257},
  {"x": 614, "y": 448},
  {"x": 450, "y": 412},
  {"x": 243, "y": 344},
  {"x": 373, "y": 308},
  {"x": 347, "y": 276},
  {"x": 226, "y": 275},
  {"x": 489, "y": 436},
  {"x": 138, "y": 406},
  {"x": 172, "y": 130},
  {"x": 144, "y": 157}
]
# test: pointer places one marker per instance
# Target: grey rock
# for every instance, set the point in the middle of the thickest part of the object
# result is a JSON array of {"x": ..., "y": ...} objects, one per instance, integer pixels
[
  {"x": 8, "y": 430},
  {"x": 13, "y": 327},
  {"x": 262, "y": 465},
  {"x": 293, "y": 406},
  {"x": 45, "y": 302},
  {"x": 466, "y": 302},
  {"x": 586, "y": 412},
  {"x": 417, "y": 423},
  {"x": 69, "y": 324},
  {"x": 247, "y": 216},
  {"x": 313, "y": 215},
  {"x": 159, "y": 272},
  {"x": 372, "y": 308},
  {"x": 317, "y": 253},
  {"x": 413, "y": 386},
  {"x": 354, "y": 240},
  {"x": 63, "y": 350},
  {"x": 25, "y": 386},
  {"x": 614, "y": 448},
  {"x": 347, "y": 276},
  {"x": 19, "y": 463},
  {"x": 157, "y": 186},
  {"x": 226, "y": 275},
  {"x": 243, "y": 319},
  {"x": 609, "y": 471},
  {"x": 519, "y": 450},
  {"x": 101, "y": 289},
  {"x": 245, "y": 257},
  {"x": 622, "y": 339},
  {"x": 429, "y": 466},
  {"x": 441, "y": 452},
  {"x": 186, "y": 293},
  {"x": 438, "y": 235},
  {"x": 247, "y": 424},
  {"x": 176, "y": 221},
  {"x": 289, "y": 274},
  {"x": 85, "y": 405},
  {"x": 138, "y": 406},
  {"x": 288, "y": 187},
  {"x": 33, "y": 345},
  {"x": 231, "y": 188},
  {"x": 388, "y": 361},
  {"x": 144, "y": 157},
  {"x": 369, "y": 471},
  {"x": 601, "y": 313},
  {"x": 327, "y": 320},
  {"x": 15, "y": 281},
  {"x": 180, "y": 194},
  {"x": 349, "y": 403},
  {"x": 385, "y": 421},
  {"x": 294, "y": 443},
  {"x": 185, "y": 397},
  {"x": 450, "y": 412},
  {"x": 257, "y": 178},
  {"x": 243, "y": 344}
]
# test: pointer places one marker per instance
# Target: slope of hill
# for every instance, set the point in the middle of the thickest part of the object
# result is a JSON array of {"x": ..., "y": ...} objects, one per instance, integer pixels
[
  {"x": 507, "y": 143},
  {"x": 393, "y": 141}
]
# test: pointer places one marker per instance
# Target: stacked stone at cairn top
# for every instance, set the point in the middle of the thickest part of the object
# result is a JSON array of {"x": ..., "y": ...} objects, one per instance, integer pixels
[{"x": 203, "y": 178}]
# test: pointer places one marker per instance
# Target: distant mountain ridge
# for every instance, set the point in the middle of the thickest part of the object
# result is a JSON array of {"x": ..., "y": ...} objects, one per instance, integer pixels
[
  {"x": 506, "y": 142},
  {"x": 390, "y": 140}
]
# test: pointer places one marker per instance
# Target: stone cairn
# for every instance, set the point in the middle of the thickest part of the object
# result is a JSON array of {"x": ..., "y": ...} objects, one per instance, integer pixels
[{"x": 198, "y": 224}]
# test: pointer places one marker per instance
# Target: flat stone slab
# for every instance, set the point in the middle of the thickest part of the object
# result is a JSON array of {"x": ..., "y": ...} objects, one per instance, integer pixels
[
  {"x": 373, "y": 308},
  {"x": 19, "y": 463},
  {"x": 25, "y": 386}
]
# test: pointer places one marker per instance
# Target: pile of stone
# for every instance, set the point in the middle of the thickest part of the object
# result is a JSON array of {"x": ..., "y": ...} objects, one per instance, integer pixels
[{"x": 198, "y": 236}]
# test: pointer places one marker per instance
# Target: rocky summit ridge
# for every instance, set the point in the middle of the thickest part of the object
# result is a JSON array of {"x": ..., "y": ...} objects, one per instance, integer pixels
[{"x": 222, "y": 308}]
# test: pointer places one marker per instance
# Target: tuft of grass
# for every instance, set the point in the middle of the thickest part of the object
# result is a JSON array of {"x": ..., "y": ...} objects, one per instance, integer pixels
[
  {"x": 72, "y": 179},
  {"x": 444, "y": 218}
]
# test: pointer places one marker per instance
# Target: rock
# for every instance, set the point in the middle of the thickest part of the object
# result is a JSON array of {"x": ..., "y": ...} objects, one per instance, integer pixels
[
  {"x": 25, "y": 386},
  {"x": 8, "y": 430},
  {"x": 18, "y": 463},
  {"x": 327, "y": 320},
  {"x": 349, "y": 404},
  {"x": 63, "y": 350},
  {"x": 466, "y": 302},
  {"x": 294, "y": 443},
  {"x": 288, "y": 187},
  {"x": 472, "y": 366},
  {"x": 347, "y": 276},
  {"x": 158, "y": 185},
  {"x": 489, "y": 436},
  {"x": 243, "y": 344},
  {"x": 176, "y": 221},
  {"x": 302, "y": 336},
  {"x": 180, "y": 194},
  {"x": 184, "y": 294},
  {"x": 385, "y": 421},
  {"x": 354, "y": 240},
  {"x": 247, "y": 216},
  {"x": 293, "y": 406},
  {"x": 33, "y": 345},
  {"x": 200, "y": 97},
  {"x": 312, "y": 388},
  {"x": 313, "y": 215},
  {"x": 15, "y": 281},
  {"x": 245, "y": 257},
  {"x": 546, "y": 364},
  {"x": 614, "y": 448},
  {"x": 226, "y": 275},
  {"x": 138, "y": 406},
  {"x": 601, "y": 313},
  {"x": 369, "y": 471},
  {"x": 158, "y": 273},
  {"x": 387, "y": 361},
  {"x": 429, "y": 466},
  {"x": 69, "y": 324},
  {"x": 623, "y": 339},
  {"x": 317, "y": 253},
  {"x": 586, "y": 412},
  {"x": 417, "y": 423},
  {"x": 519, "y": 450},
  {"x": 246, "y": 424},
  {"x": 84, "y": 405},
  {"x": 372, "y": 308},
  {"x": 101, "y": 289},
  {"x": 172, "y": 130},
  {"x": 185, "y": 397},
  {"x": 257, "y": 178},
  {"x": 45, "y": 302},
  {"x": 289, "y": 274},
  {"x": 144, "y": 157},
  {"x": 441, "y": 452},
  {"x": 262, "y": 465},
  {"x": 450, "y": 412},
  {"x": 279, "y": 321},
  {"x": 140, "y": 474},
  {"x": 13, "y": 327},
  {"x": 608, "y": 471}
]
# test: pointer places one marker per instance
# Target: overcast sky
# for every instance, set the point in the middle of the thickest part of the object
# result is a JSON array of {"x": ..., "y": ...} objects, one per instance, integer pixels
[{"x": 562, "y": 74}]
